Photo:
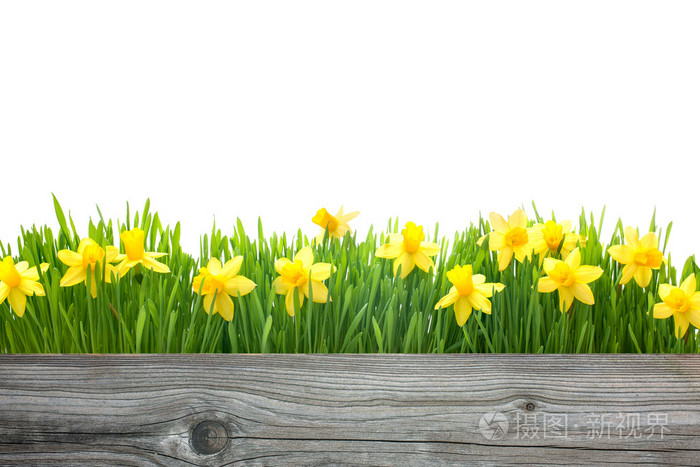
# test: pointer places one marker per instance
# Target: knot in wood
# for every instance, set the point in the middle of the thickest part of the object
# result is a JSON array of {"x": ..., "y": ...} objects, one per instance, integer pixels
[
  {"x": 209, "y": 437},
  {"x": 530, "y": 406}
]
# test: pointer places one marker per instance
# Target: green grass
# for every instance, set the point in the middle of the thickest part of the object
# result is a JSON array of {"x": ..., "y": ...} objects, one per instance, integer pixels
[{"x": 370, "y": 311}]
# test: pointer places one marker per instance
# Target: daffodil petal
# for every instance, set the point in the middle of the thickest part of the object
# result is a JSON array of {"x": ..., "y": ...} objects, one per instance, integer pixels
[
  {"x": 694, "y": 300},
  {"x": 583, "y": 293},
  {"x": 208, "y": 299},
  {"x": 407, "y": 263},
  {"x": 18, "y": 301},
  {"x": 93, "y": 286},
  {"x": 280, "y": 264},
  {"x": 224, "y": 306},
  {"x": 4, "y": 292},
  {"x": 238, "y": 286},
  {"x": 345, "y": 218},
  {"x": 574, "y": 259},
  {"x": 448, "y": 299},
  {"x": 681, "y": 323},
  {"x": 109, "y": 272},
  {"x": 320, "y": 271},
  {"x": 662, "y": 311},
  {"x": 429, "y": 248},
  {"x": 32, "y": 274},
  {"x": 214, "y": 266},
  {"x": 70, "y": 258},
  {"x": 31, "y": 288},
  {"x": 289, "y": 300},
  {"x": 643, "y": 276},
  {"x": 232, "y": 267},
  {"x": 478, "y": 279},
  {"x": 423, "y": 261},
  {"x": 306, "y": 256},
  {"x": 154, "y": 254},
  {"x": 74, "y": 275},
  {"x": 395, "y": 238},
  {"x": 664, "y": 290},
  {"x": 497, "y": 240},
  {"x": 588, "y": 274},
  {"x": 389, "y": 250},
  {"x": 546, "y": 285},
  {"x": 504, "y": 257},
  {"x": 689, "y": 285},
  {"x": 632, "y": 238},
  {"x": 650, "y": 240},
  {"x": 549, "y": 264},
  {"x": 498, "y": 223},
  {"x": 518, "y": 219},
  {"x": 628, "y": 273},
  {"x": 21, "y": 266},
  {"x": 523, "y": 252},
  {"x": 480, "y": 302},
  {"x": 694, "y": 317},
  {"x": 623, "y": 254},
  {"x": 279, "y": 286},
  {"x": 318, "y": 290},
  {"x": 463, "y": 309},
  {"x": 83, "y": 244},
  {"x": 487, "y": 289},
  {"x": 111, "y": 253},
  {"x": 155, "y": 265},
  {"x": 566, "y": 298}
]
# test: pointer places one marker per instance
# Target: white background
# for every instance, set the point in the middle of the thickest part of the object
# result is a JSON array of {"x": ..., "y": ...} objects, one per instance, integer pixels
[{"x": 433, "y": 111}]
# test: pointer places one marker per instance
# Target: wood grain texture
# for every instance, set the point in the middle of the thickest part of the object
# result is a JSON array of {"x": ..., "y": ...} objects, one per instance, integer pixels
[{"x": 349, "y": 409}]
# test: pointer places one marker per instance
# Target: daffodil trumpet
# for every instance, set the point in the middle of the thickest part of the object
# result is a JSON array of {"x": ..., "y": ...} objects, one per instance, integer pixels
[{"x": 409, "y": 250}]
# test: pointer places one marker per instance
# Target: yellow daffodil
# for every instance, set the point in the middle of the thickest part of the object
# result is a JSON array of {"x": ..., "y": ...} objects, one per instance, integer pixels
[
  {"x": 298, "y": 276},
  {"x": 89, "y": 257},
  {"x": 134, "y": 246},
  {"x": 553, "y": 236},
  {"x": 337, "y": 225},
  {"x": 17, "y": 281},
  {"x": 570, "y": 279},
  {"x": 512, "y": 238},
  {"x": 218, "y": 283},
  {"x": 468, "y": 291},
  {"x": 682, "y": 302},
  {"x": 409, "y": 249},
  {"x": 638, "y": 256}
]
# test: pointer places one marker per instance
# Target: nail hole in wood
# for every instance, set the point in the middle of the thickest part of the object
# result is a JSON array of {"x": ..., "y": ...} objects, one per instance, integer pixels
[{"x": 209, "y": 437}]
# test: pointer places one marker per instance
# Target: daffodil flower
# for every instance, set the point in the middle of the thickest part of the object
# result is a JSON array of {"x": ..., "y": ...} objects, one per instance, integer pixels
[
  {"x": 219, "y": 283},
  {"x": 134, "y": 246},
  {"x": 337, "y": 226},
  {"x": 297, "y": 276},
  {"x": 570, "y": 279},
  {"x": 89, "y": 257},
  {"x": 638, "y": 256},
  {"x": 682, "y": 302},
  {"x": 17, "y": 281},
  {"x": 468, "y": 292},
  {"x": 409, "y": 249},
  {"x": 512, "y": 238},
  {"x": 553, "y": 236}
]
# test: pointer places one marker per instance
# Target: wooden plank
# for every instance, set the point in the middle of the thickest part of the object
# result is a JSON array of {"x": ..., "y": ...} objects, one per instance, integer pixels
[{"x": 357, "y": 409}]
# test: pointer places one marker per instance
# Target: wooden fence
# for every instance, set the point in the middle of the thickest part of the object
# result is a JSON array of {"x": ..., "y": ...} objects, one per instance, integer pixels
[{"x": 349, "y": 409}]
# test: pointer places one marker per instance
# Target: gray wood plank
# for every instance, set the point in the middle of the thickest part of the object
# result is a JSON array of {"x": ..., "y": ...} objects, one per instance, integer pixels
[{"x": 349, "y": 409}]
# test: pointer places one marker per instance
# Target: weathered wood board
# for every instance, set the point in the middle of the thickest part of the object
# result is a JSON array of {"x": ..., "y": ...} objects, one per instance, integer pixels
[{"x": 349, "y": 409}]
